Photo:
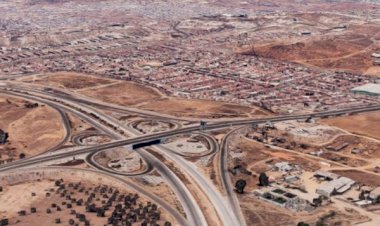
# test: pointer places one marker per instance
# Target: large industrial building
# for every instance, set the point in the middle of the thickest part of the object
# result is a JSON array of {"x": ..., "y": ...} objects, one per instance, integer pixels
[
  {"x": 336, "y": 186},
  {"x": 368, "y": 89}
]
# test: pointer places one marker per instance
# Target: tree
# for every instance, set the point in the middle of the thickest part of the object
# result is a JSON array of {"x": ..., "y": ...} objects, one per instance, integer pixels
[
  {"x": 302, "y": 224},
  {"x": 240, "y": 185},
  {"x": 318, "y": 201},
  {"x": 361, "y": 195},
  {"x": 263, "y": 180}
]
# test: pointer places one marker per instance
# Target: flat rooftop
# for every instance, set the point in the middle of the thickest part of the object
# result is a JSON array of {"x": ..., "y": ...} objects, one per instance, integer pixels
[{"x": 370, "y": 88}]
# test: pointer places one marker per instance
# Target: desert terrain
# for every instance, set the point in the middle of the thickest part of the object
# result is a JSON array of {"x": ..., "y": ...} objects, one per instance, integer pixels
[
  {"x": 134, "y": 95},
  {"x": 31, "y": 130},
  {"x": 346, "y": 48},
  {"x": 201, "y": 112},
  {"x": 365, "y": 124}
]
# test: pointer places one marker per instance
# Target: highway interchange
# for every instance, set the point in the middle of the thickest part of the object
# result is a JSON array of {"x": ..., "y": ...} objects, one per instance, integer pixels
[{"x": 225, "y": 202}]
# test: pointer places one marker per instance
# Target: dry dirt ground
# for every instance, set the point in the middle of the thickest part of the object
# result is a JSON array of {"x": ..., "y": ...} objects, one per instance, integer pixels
[
  {"x": 78, "y": 125},
  {"x": 256, "y": 158},
  {"x": 134, "y": 95},
  {"x": 258, "y": 212},
  {"x": 355, "y": 151},
  {"x": 351, "y": 50},
  {"x": 201, "y": 108},
  {"x": 364, "y": 124},
  {"x": 19, "y": 197},
  {"x": 130, "y": 94},
  {"x": 369, "y": 149},
  {"x": 67, "y": 80},
  {"x": 31, "y": 130}
]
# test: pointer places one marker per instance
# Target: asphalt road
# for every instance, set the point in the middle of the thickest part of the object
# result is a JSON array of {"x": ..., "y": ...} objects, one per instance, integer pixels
[
  {"x": 227, "y": 211},
  {"x": 225, "y": 178},
  {"x": 150, "y": 137},
  {"x": 193, "y": 212}
]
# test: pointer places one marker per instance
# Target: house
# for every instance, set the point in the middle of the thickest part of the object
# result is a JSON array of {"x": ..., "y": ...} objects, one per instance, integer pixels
[
  {"x": 356, "y": 151},
  {"x": 283, "y": 166},
  {"x": 337, "y": 147},
  {"x": 317, "y": 153},
  {"x": 291, "y": 178}
]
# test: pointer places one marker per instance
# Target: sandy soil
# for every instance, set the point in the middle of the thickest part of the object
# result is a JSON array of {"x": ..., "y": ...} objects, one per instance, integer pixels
[
  {"x": 375, "y": 71},
  {"x": 364, "y": 124},
  {"x": 128, "y": 161},
  {"x": 125, "y": 93},
  {"x": 90, "y": 179},
  {"x": 78, "y": 125},
  {"x": 134, "y": 95},
  {"x": 200, "y": 108},
  {"x": 68, "y": 80},
  {"x": 369, "y": 149},
  {"x": 256, "y": 158},
  {"x": 31, "y": 130},
  {"x": 349, "y": 50},
  {"x": 131, "y": 94},
  {"x": 309, "y": 133},
  {"x": 258, "y": 212},
  {"x": 18, "y": 197}
]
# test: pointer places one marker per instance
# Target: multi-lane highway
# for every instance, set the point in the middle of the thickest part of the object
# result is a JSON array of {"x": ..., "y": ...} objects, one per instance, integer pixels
[
  {"x": 188, "y": 129},
  {"x": 227, "y": 207},
  {"x": 225, "y": 179}
]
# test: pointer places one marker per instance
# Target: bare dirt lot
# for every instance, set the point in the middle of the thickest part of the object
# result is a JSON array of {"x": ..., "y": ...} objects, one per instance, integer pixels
[
  {"x": 201, "y": 108},
  {"x": 349, "y": 51},
  {"x": 68, "y": 80},
  {"x": 48, "y": 197},
  {"x": 130, "y": 94},
  {"x": 364, "y": 124},
  {"x": 134, "y": 95},
  {"x": 367, "y": 148},
  {"x": 125, "y": 94},
  {"x": 259, "y": 212},
  {"x": 31, "y": 130}
]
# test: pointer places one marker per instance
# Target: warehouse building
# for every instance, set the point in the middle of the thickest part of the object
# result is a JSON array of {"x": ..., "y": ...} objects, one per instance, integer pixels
[
  {"x": 368, "y": 89},
  {"x": 334, "y": 187},
  {"x": 375, "y": 55},
  {"x": 324, "y": 175}
]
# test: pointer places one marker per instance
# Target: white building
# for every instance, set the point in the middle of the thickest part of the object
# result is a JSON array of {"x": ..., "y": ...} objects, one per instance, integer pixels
[
  {"x": 337, "y": 186},
  {"x": 283, "y": 166},
  {"x": 368, "y": 89}
]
